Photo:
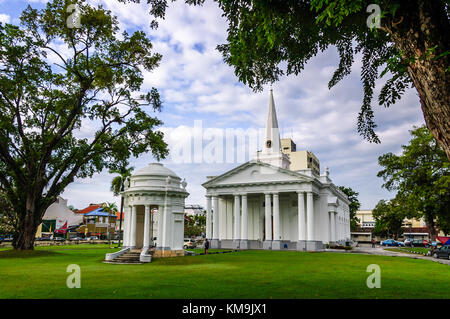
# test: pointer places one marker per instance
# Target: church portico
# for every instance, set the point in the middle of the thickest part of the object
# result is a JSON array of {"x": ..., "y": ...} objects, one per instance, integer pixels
[{"x": 257, "y": 218}]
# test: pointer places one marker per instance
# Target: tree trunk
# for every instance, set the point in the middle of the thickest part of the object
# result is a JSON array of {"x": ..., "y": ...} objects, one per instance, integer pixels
[
  {"x": 421, "y": 33},
  {"x": 29, "y": 222},
  {"x": 24, "y": 239}
]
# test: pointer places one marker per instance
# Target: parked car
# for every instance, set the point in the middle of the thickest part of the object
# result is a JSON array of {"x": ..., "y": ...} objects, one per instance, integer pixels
[
  {"x": 76, "y": 239},
  {"x": 189, "y": 243},
  {"x": 407, "y": 241},
  {"x": 400, "y": 243},
  {"x": 93, "y": 238},
  {"x": 418, "y": 243},
  {"x": 59, "y": 239},
  {"x": 389, "y": 242},
  {"x": 444, "y": 252}
]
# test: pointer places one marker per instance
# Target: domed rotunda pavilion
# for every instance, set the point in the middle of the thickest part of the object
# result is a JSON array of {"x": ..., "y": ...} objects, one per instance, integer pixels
[{"x": 154, "y": 199}]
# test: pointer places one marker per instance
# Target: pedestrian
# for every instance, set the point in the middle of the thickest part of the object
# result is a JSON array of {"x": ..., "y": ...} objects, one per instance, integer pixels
[
  {"x": 206, "y": 246},
  {"x": 373, "y": 243}
]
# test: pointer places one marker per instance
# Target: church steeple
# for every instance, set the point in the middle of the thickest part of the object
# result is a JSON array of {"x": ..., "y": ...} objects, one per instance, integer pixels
[
  {"x": 271, "y": 152},
  {"x": 272, "y": 143}
]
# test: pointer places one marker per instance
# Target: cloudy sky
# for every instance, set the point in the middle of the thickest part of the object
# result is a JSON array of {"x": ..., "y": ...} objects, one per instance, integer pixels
[{"x": 198, "y": 88}]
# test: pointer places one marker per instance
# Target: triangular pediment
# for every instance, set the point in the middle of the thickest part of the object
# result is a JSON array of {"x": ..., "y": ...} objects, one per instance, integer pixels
[{"x": 255, "y": 172}]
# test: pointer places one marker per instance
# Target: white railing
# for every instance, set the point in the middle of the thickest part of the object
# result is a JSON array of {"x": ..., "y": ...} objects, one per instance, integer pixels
[
  {"x": 112, "y": 256},
  {"x": 145, "y": 257}
]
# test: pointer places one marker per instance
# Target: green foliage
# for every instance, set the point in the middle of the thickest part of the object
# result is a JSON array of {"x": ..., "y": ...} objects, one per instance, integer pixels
[
  {"x": 389, "y": 218},
  {"x": 118, "y": 182},
  {"x": 353, "y": 206},
  {"x": 421, "y": 177},
  {"x": 271, "y": 38},
  {"x": 71, "y": 103},
  {"x": 110, "y": 208},
  {"x": 194, "y": 225},
  {"x": 8, "y": 217}
]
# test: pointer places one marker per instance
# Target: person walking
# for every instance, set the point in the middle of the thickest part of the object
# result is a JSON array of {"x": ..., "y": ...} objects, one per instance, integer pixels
[
  {"x": 373, "y": 243},
  {"x": 206, "y": 246}
]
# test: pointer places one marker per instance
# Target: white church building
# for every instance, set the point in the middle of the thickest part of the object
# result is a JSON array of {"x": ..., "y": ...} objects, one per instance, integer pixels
[{"x": 272, "y": 203}]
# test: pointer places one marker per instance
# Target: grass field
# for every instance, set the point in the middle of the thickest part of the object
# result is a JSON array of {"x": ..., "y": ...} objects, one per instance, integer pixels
[{"x": 248, "y": 274}]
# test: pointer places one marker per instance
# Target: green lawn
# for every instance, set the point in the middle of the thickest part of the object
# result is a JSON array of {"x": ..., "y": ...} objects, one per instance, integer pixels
[{"x": 247, "y": 274}]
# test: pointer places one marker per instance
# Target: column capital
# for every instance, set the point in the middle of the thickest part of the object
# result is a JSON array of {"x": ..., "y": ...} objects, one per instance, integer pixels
[
  {"x": 301, "y": 192},
  {"x": 208, "y": 195}
]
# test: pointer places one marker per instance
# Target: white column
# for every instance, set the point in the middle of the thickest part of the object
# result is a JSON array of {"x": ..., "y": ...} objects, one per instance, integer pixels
[
  {"x": 133, "y": 226},
  {"x": 276, "y": 217},
  {"x": 147, "y": 227},
  {"x": 332, "y": 227},
  {"x": 301, "y": 216},
  {"x": 126, "y": 219},
  {"x": 160, "y": 231},
  {"x": 215, "y": 201},
  {"x": 244, "y": 218},
  {"x": 310, "y": 215},
  {"x": 237, "y": 217},
  {"x": 167, "y": 228},
  {"x": 268, "y": 217},
  {"x": 208, "y": 217}
]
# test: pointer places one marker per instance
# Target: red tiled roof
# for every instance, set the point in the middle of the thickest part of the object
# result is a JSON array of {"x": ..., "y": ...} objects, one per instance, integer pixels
[{"x": 88, "y": 209}]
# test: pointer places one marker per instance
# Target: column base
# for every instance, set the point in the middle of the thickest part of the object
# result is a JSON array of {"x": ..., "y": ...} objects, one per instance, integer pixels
[
  {"x": 314, "y": 245},
  {"x": 301, "y": 245},
  {"x": 267, "y": 244},
  {"x": 163, "y": 248},
  {"x": 236, "y": 243},
  {"x": 215, "y": 244},
  {"x": 276, "y": 245},
  {"x": 244, "y": 244}
]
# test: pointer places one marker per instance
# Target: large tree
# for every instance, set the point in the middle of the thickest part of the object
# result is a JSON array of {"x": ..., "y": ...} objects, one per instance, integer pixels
[
  {"x": 269, "y": 38},
  {"x": 389, "y": 216},
  {"x": 353, "y": 207},
  {"x": 421, "y": 177},
  {"x": 71, "y": 105}
]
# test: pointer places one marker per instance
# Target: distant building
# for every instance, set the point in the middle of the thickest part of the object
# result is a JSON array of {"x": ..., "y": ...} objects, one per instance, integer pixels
[
  {"x": 58, "y": 216},
  {"x": 194, "y": 210},
  {"x": 98, "y": 222},
  {"x": 299, "y": 159},
  {"x": 412, "y": 228}
]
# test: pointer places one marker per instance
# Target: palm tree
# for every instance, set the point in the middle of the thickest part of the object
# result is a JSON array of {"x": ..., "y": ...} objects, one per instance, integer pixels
[
  {"x": 110, "y": 208},
  {"x": 117, "y": 187}
]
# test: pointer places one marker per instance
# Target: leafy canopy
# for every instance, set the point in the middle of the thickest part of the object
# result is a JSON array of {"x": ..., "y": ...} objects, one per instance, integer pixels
[
  {"x": 389, "y": 216},
  {"x": 71, "y": 102},
  {"x": 421, "y": 177},
  {"x": 354, "y": 205}
]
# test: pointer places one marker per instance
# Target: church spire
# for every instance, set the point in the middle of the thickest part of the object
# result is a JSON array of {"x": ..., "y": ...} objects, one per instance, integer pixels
[
  {"x": 271, "y": 152},
  {"x": 272, "y": 143}
]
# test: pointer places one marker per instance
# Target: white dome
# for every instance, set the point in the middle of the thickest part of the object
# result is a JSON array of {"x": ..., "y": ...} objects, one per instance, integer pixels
[{"x": 155, "y": 169}]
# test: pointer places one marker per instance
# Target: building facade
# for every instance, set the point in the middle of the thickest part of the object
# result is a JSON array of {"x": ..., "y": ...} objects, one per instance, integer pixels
[{"x": 266, "y": 204}]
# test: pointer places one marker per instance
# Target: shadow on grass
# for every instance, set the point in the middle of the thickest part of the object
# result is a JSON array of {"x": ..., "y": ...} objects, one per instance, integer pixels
[{"x": 26, "y": 253}]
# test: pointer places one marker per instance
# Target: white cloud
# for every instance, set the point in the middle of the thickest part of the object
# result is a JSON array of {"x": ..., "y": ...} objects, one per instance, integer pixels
[
  {"x": 197, "y": 85},
  {"x": 5, "y": 18}
]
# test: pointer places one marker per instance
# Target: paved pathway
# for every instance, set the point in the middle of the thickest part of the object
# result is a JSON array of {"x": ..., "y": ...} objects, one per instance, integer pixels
[{"x": 382, "y": 252}]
